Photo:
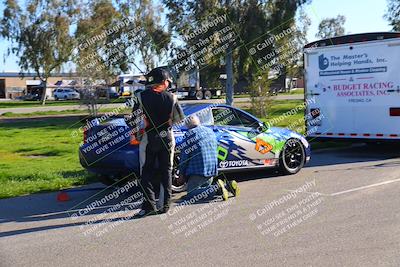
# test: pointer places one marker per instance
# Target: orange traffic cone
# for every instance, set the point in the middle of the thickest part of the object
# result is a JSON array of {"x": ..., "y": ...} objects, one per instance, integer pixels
[{"x": 63, "y": 196}]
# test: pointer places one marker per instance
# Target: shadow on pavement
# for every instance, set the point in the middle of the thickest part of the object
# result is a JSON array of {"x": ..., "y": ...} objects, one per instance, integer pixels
[
  {"x": 43, "y": 207},
  {"x": 355, "y": 154}
]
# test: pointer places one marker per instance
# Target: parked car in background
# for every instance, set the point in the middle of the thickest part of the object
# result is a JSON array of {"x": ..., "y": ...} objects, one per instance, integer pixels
[
  {"x": 126, "y": 93},
  {"x": 108, "y": 91},
  {"x": 66, "y": 94},
  {"x": 114, "y": 95},
  {"x": 31, "y": 97}
]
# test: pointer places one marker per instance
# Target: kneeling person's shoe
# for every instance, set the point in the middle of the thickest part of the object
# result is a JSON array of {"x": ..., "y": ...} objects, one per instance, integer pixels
[
  {"x": 233, "y": 187},
  {"x": 224, "y": 192}
]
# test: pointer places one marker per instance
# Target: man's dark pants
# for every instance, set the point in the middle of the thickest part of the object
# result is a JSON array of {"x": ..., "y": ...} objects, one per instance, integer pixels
[{"x": 158, "y": 150}]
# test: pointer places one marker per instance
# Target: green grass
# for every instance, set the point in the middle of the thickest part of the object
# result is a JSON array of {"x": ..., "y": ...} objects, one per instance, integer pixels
[
  {"x": 278, "y": 108},
  {"x": 298, "y": 91},
  {"x": 241, "y": 96},
  {"x": 37, "y": 156},
  {"x": 63, "y": 112},
  {"x": 24, "y": 104},
  {"x": 42, "y": 113}
]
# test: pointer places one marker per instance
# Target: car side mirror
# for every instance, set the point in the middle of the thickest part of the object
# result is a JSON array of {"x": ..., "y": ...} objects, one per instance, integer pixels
[{"x": 262, "y": 127}]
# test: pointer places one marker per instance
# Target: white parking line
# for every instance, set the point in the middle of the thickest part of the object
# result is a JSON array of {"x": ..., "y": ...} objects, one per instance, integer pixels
[
  {"x": 364, "y": 187},
  {"x": 305, "y": 192},
  {"x": 350, "y": 190}
]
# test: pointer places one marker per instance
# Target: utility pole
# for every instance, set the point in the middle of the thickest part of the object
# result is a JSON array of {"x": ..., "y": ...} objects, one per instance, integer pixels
[{"x": 229, "y": 69}]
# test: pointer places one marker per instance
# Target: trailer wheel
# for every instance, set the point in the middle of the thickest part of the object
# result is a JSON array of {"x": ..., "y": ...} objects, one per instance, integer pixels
[
  {"x": 199, "y": 95},
  {"x": 207, "y": 94}
]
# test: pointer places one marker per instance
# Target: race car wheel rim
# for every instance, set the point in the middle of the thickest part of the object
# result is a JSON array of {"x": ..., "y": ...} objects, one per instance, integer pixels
[
  {"x": 177, "y": 187},
  {"x": 293, "y": 155}
]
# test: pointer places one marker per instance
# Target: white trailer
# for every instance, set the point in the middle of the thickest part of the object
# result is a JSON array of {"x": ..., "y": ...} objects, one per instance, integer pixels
[{"x": 352, "y": 87}]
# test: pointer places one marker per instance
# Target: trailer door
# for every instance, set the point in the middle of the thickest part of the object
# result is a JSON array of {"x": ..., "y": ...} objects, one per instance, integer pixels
[{"x": 356, "y": 88}]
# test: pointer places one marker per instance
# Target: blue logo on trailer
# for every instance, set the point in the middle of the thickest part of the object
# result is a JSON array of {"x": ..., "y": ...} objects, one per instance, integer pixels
[{"x": 323, "y": 62}]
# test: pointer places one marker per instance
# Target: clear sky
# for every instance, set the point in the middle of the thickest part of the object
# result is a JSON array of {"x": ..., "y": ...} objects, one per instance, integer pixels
[{"x": 362, "y": 16}]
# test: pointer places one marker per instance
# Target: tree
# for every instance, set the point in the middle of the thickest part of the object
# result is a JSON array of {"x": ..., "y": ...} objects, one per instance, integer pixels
[
  {"x": 331, "y": 27},
  {"x": 249, "y": 20},
  {"x": 260, "y": 97},
  {"x": 102, "y": 41},
  {"x": 393, "y": 14},
  {"x": 156, "y": 42},
  {"x": 303, "y": 23},
  {"x": 100, "y": 52},
  {"x": 39, "y": 32},
  {"x": 112, "y": 36}
]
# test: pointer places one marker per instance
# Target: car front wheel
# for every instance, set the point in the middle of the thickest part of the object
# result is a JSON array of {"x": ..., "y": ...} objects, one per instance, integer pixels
[{"x": 292, "y": 157}]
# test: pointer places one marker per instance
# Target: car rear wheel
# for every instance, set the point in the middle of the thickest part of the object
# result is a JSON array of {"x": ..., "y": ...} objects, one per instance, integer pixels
[{"x": 292, "y": 157}]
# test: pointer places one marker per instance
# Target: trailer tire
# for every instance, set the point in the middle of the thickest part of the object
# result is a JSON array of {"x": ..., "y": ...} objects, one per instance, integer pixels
[
  {"x": 199, "y": 95},
  {"x": 207, "y": 95}
]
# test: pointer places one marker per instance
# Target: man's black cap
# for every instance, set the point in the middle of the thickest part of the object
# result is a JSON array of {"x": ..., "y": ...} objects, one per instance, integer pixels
[{"x": 157, "y": 75}]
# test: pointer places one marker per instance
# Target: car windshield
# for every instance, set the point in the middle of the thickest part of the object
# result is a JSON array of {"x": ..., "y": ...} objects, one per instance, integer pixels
[
  {"x": 205, "y": 116},
  {"x": 202, "y": 111}
]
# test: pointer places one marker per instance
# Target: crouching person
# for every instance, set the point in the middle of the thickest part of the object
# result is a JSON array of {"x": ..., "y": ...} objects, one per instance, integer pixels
[{"x": 199, "y": 164}]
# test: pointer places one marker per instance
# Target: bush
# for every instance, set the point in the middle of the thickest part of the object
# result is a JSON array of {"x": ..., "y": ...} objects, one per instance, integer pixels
[{"x": 259, "y": 94}]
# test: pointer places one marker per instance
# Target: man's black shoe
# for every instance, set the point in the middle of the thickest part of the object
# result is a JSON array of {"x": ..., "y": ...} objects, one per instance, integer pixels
[{"x": 165, "y": 209}]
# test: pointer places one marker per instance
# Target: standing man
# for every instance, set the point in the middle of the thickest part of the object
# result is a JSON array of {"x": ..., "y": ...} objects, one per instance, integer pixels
[{"x": 160, "y": 109}]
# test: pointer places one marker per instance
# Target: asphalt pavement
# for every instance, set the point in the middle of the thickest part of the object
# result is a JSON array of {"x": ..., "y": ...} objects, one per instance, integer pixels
[
  {"x": 20, "y": 110},
  {"x": 341, "y": 210}
]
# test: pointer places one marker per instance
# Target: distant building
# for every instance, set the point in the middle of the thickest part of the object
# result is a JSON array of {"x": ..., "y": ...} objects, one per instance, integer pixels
[{"x": 14, "y": 84}]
